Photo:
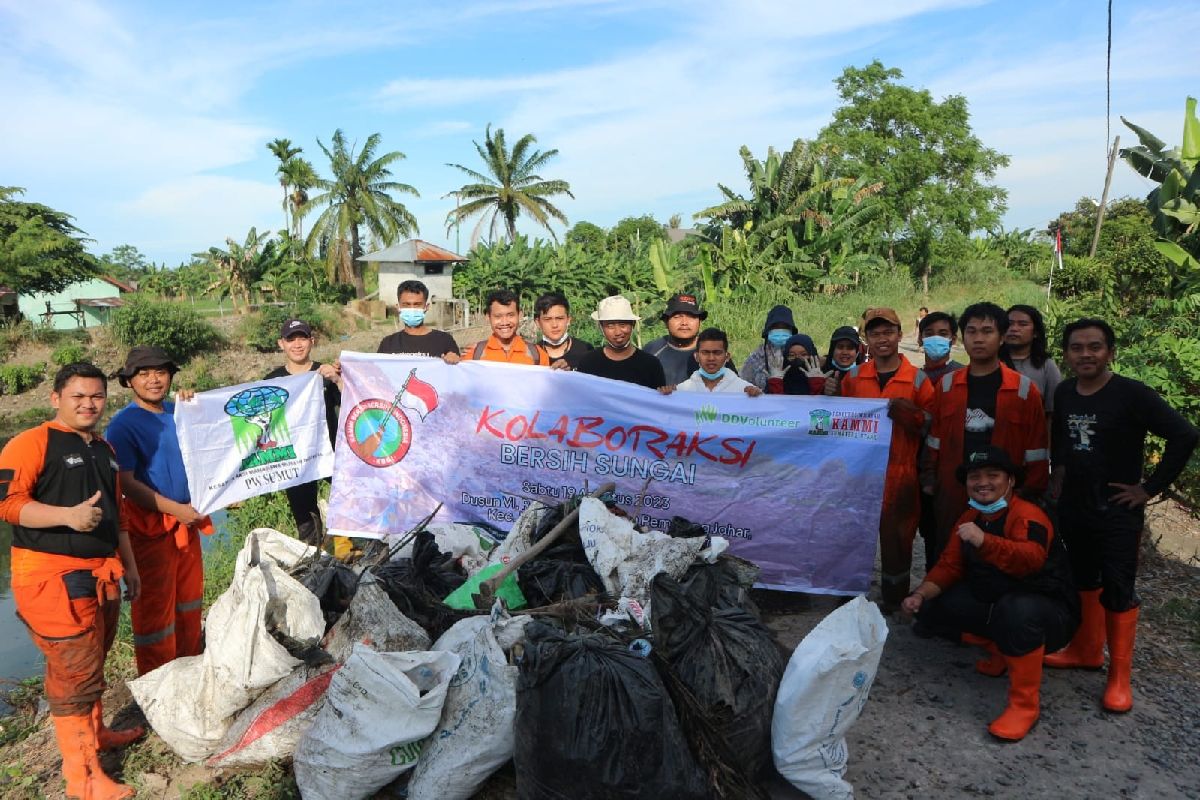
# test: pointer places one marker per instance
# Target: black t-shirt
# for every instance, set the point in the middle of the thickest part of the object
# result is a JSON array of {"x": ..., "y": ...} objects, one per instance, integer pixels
[
  {"x": 980, "y": 419},
  {"x": 435, "y": 344},
  {"x": 333, "y": 396},
  {"x": 883, "y": 378},
  {"x": 640, "y": 368},
  {"x": 576, "y": 350},
  {"x": 1100, "y": 439}
]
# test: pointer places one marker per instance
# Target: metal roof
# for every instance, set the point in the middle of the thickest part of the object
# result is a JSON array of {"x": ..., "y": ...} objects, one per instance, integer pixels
[{"x": 413, "y": 251}]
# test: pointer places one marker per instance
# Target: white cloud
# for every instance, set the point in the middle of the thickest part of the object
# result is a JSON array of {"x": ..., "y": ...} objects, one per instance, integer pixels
[{"x": 199, "y": 211}]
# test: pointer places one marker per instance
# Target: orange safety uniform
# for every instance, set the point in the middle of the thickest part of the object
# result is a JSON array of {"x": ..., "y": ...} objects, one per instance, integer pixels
[
  {"x": 166, "y": 618},
  {"x": 65, "y": 582},
  {"x": 901, "y": 511},
  {"x": 522, "y": 352},
  {"x": 1020, "y": 430},
  {"x": 66, "y": 587}
]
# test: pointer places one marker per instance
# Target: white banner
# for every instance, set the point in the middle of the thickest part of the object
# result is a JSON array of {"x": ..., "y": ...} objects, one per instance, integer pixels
[
  {"x": 794, "y": 482},
  {"x": 253, "y": 438}
]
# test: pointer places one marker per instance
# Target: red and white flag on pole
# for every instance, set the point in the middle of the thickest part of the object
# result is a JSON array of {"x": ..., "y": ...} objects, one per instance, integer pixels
[{"x": 418, "y": 395}]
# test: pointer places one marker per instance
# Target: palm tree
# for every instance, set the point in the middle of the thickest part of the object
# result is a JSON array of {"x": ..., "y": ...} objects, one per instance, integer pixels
[
  {"x": 513, "y": 186},
  {"x": 358, "y": 194},
  {"x": 300, "y": 176},
  {"x": 282, "y": 149}
]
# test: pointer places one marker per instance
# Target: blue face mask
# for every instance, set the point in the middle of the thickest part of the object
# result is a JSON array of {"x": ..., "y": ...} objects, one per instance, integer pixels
[
  {"x": 778, "y": 337},
  {"x": 412, "y": 317},
  {"x": 846, "y": 368},
  {"x": 712, "y": 376},
  {"x": 936, "y": 347},
  {"x": 990, "y": 508}
]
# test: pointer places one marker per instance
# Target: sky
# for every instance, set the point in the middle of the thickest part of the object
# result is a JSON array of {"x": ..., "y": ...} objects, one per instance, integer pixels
[{"x": 148, "y": 121}]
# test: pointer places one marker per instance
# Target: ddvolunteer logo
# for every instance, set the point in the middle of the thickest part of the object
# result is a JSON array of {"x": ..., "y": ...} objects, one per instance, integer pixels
[
  {"x": 708, "y": 414},
  {"x": 379, "y": 432},
  {"x": 260, "y": 429}
]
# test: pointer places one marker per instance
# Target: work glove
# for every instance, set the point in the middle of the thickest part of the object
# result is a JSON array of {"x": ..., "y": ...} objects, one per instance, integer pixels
[
  {"x": 811, "y": 365},
  {"x": 775, "y": 370}
]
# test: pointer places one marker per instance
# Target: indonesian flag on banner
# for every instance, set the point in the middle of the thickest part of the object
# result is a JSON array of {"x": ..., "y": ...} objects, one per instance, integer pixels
[{"x": 418, "y": 395}]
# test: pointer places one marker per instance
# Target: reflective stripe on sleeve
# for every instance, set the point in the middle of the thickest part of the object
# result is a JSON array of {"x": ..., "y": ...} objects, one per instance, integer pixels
[{"x": 1036, "y": 455}]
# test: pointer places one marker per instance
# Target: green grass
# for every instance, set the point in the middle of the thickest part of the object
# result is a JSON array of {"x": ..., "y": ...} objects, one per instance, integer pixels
[{"x": 269, "y": 782}]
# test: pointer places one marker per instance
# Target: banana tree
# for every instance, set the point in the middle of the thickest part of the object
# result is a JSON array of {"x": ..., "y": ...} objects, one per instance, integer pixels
[{"x": 1175, "y": 202}]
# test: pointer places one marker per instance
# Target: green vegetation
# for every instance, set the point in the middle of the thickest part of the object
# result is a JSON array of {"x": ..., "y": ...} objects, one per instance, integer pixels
[
  {"x": 270, "y": 782},
  {"x": 41, "y": 250},
  {"x": 69, "y": 354},
  {"x": 176, "y": 328},
  {"x": 511, "y": 186},
  {"x": 17, "y": 378},
  {"x": 260, "y": 330}
]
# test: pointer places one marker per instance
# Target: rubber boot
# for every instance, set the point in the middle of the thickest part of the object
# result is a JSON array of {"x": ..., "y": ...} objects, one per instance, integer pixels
[
  {"x": 994, "y": 665},
  {"x": 1122, "y": 625},
  {"x": 1086, "y": 650},
  {"x": 110, "y": 739},
  {"x": 1024, "y": 687},
  {"x": 81, "y": 766}
]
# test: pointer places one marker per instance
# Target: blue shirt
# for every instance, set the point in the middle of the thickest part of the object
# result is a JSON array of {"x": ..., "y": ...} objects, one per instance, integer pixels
[{"x": 147, "y": 446}]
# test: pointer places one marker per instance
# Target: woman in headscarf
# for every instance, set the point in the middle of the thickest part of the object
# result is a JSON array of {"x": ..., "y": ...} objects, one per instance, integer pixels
[{"x": 766, "y": 362}]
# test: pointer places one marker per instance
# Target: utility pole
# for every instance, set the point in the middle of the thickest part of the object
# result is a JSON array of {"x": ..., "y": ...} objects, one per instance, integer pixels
[{"x": 1112, "y": 161}]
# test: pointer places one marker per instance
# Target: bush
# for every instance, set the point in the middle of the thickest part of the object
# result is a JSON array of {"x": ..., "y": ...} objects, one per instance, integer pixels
[
  {"x": 176, "y": 328},
  {"x": 260, "y": 330},
  {"x": 16, "y": 378},
  {"x": 69, "y": 354}
]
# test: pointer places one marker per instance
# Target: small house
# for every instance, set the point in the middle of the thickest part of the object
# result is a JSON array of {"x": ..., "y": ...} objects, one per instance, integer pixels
[
  {"x": 83, "y": 304},
  {"x": 415, "y": 260}
]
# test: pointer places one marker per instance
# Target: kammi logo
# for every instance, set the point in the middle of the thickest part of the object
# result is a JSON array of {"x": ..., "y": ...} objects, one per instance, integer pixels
[
  {"x": 706, "y": 414},
  {"x": 260, "y": 428},
  {"x": 818, "y": 422}
]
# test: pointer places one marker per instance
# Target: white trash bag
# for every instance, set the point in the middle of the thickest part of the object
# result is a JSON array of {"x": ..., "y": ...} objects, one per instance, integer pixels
[
  {"x": 273, "y": 724},
  {"x": 191, "y": 702},
  {"x": 627, "y": 559},
  {"x": 822, "y": 693},
  {"x": 378, "y": 708},
  {"x": 475, "y": 735}
]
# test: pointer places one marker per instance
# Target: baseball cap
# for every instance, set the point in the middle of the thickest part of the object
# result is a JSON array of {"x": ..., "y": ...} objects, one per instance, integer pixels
[
  {"x": 294, "y": 326},
  {"x": 684, "y": 304},
  {"x": 884, "y": 313}
]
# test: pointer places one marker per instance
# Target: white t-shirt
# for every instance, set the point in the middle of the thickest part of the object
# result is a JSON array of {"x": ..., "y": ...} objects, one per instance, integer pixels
[{"x": 729, "y": 382}]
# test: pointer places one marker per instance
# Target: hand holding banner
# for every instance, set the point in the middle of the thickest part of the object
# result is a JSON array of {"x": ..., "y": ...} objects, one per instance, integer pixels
[
  {"x": 795, "y": 483},
  {"x": 253, "y": 438}
]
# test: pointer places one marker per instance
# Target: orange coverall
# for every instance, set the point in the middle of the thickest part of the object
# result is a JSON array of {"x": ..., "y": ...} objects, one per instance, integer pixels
[
  {"x": 1020, "y": 431},
  {"x": 901, "y": 511}
]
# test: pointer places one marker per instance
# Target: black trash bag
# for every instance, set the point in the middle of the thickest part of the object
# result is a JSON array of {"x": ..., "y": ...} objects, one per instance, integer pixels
[
  {"x": 334, "y": 584},
  {"x": 595, "y": 723},
  {"x": 681, "y": 528},
  {"x": 568, "y": 546},
  {"x": 728, "y": 660},
  {"x": 544, "y": 581},
  {"x": 418, "y": 585},
  {"x": 725, "y": 584}
]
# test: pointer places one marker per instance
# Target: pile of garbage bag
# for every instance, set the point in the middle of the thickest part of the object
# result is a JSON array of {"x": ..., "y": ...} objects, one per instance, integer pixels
[{"x": 601, "y": 660}]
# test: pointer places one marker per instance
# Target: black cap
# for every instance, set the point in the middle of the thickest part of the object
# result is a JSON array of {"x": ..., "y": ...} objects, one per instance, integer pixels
[
  {"x": 294, "y": 326},
  {"x": 990, "y": 456},
  {"x": 144, "y": 357},
  {"x": 846, "y": 333},
  {"x": 684, "y": 304}
]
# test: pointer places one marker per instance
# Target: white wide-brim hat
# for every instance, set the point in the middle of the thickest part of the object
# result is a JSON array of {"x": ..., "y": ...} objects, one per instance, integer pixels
[{"x": 615, "y": 309}]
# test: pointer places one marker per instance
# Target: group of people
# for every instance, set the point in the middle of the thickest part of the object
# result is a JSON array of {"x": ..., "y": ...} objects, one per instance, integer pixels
[{"x": 1028, "y": 490}]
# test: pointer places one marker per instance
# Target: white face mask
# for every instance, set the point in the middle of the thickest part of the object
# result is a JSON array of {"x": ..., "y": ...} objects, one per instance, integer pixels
[{"x": 556, "y": 342}]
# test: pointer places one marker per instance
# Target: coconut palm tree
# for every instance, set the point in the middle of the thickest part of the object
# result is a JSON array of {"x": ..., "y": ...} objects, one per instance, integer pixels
[
  {"x": 512, "y": 186},
  {"x": 359, "y": 193},
  {"x": 301, "y": 177}
]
